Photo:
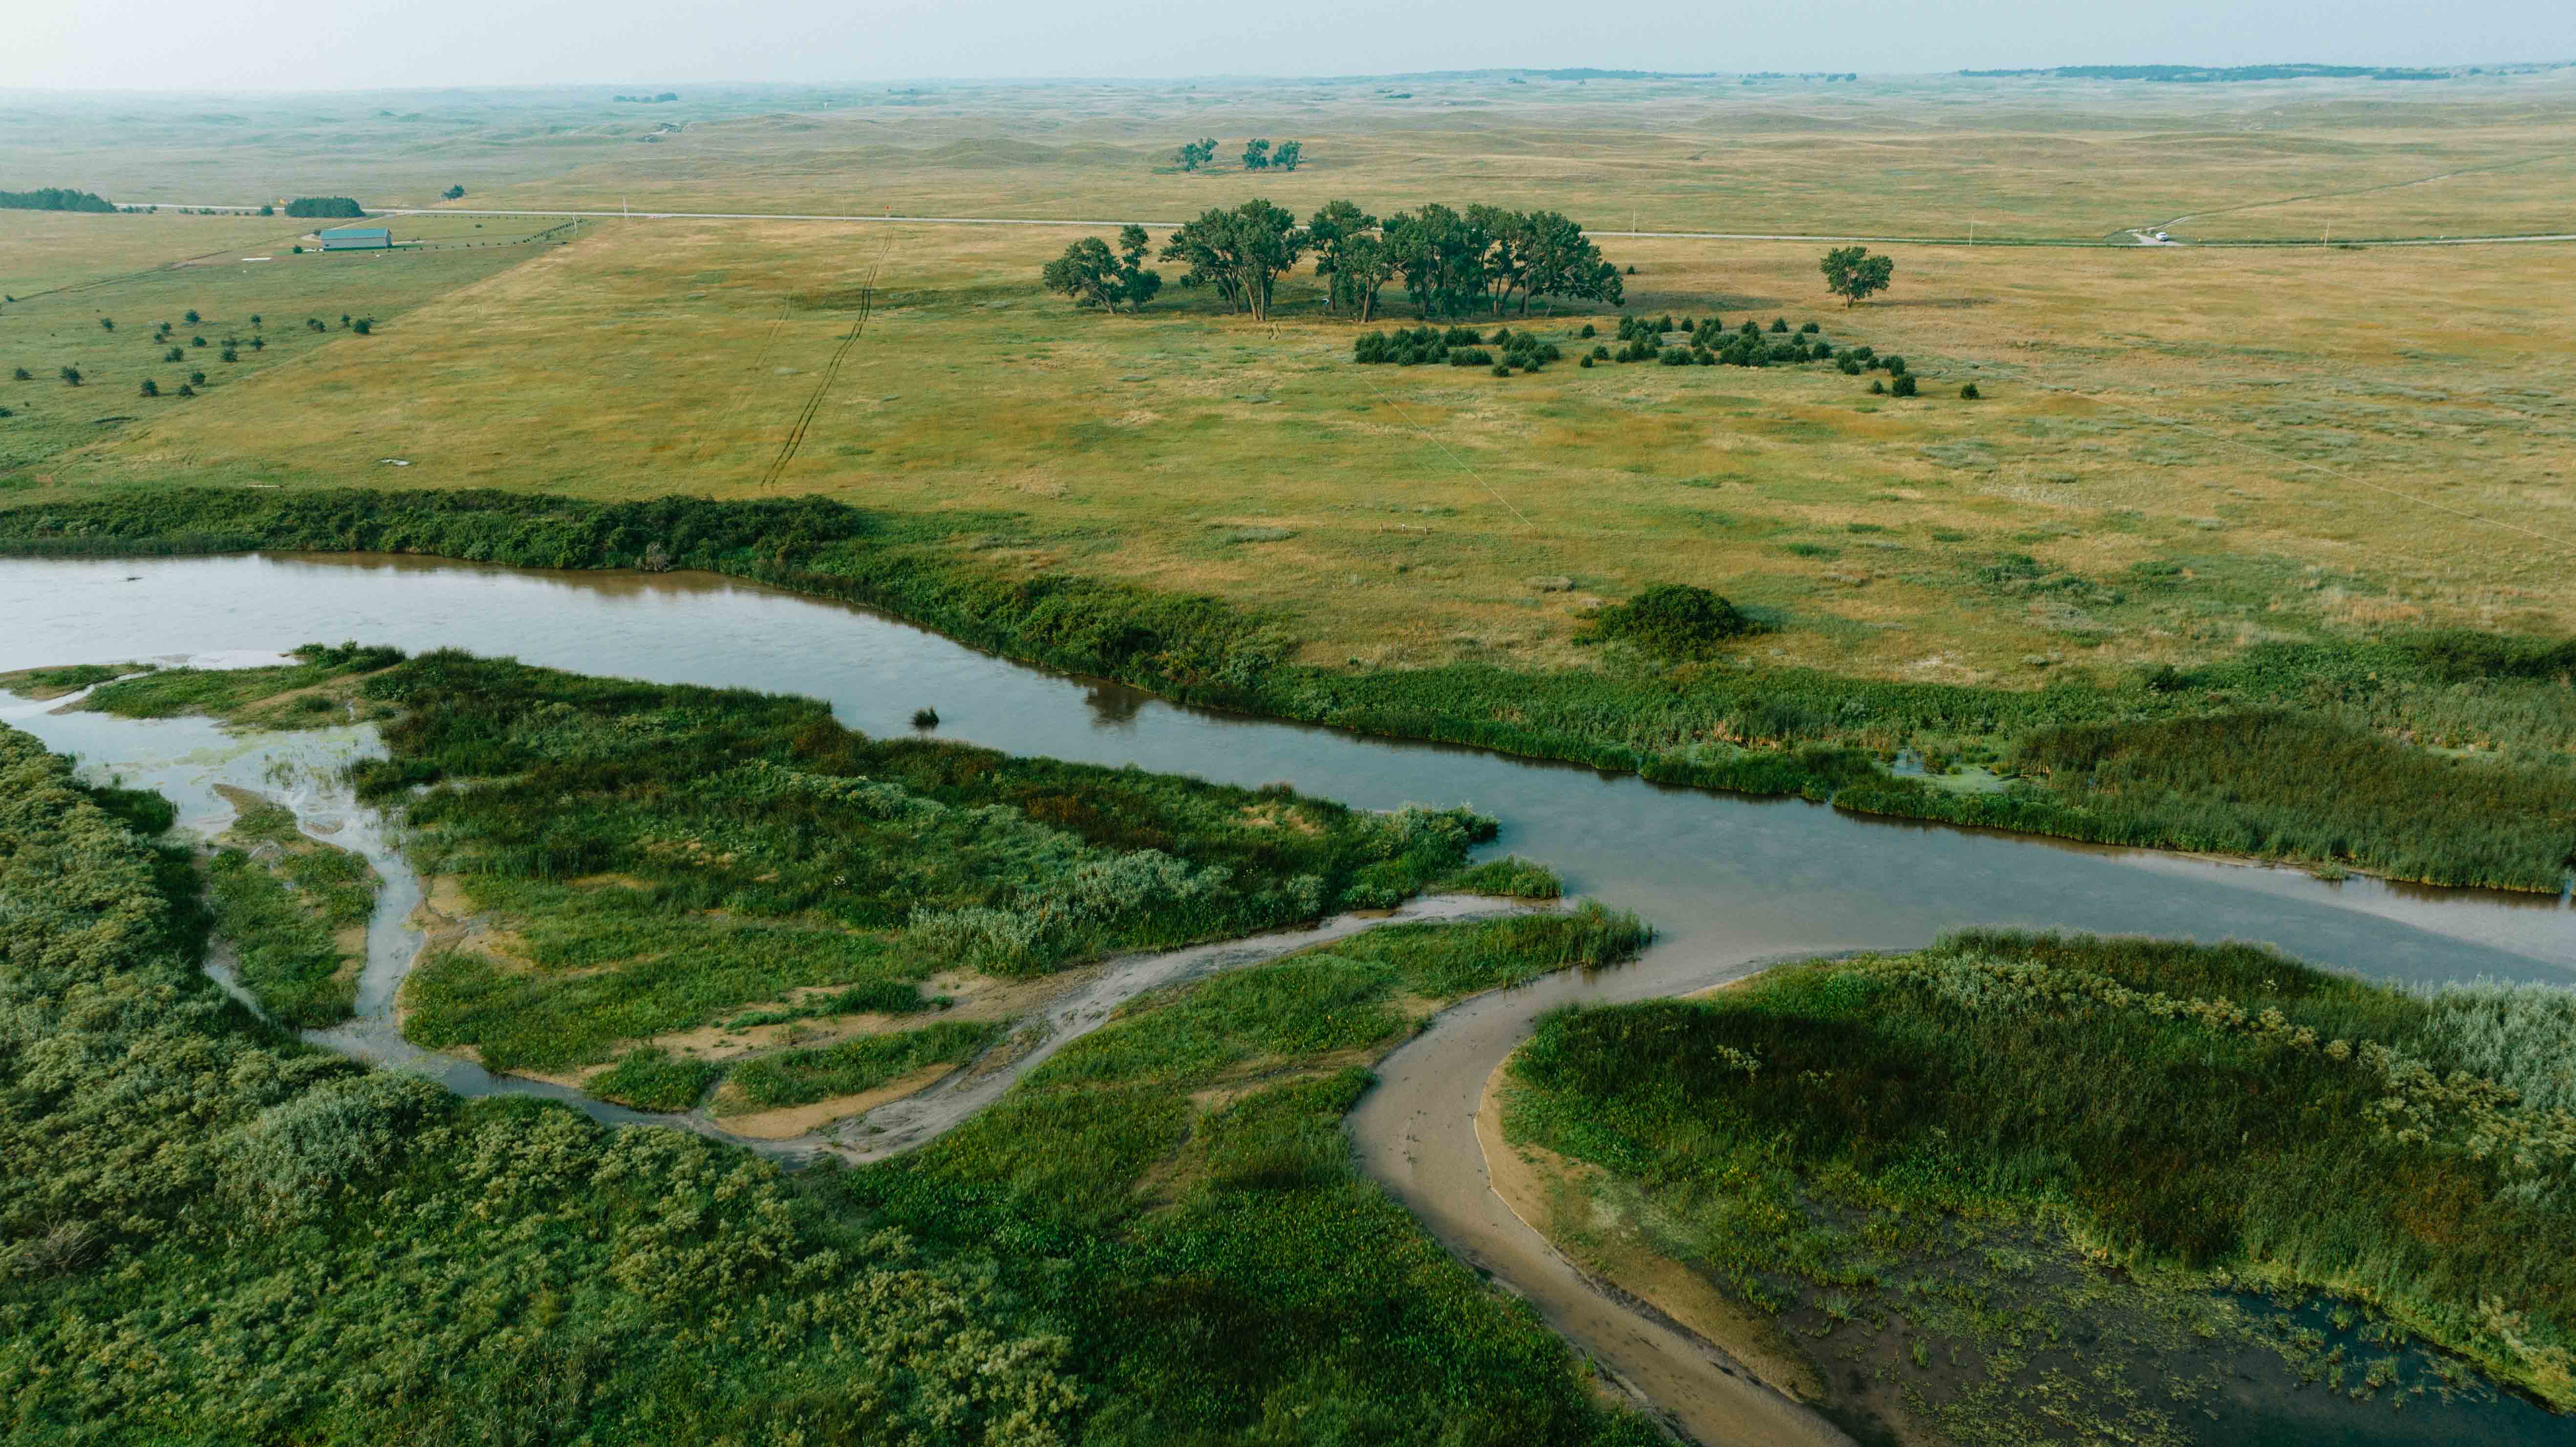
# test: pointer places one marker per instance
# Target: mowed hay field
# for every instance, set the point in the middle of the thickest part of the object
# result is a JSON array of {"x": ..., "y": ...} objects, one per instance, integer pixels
[{"x": 2215, "y": 447}]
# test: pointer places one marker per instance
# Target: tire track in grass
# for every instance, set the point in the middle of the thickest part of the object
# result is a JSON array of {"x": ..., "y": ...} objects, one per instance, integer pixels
[{"x": 831, "y": 371}]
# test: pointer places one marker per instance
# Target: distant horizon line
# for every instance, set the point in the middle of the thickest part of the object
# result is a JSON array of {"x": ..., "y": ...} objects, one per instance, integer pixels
[{"x": 1559, "y": 74}]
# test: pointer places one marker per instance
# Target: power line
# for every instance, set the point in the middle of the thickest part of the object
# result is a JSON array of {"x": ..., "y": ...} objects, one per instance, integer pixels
[{"x": 1433, "y": 438}]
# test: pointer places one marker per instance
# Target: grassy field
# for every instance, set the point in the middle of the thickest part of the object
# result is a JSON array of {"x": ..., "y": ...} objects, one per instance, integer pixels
[
  {"x": 242, "y": 1238},
  {"x": 1914, "y": 155},
  {"x": 2286, "y": 442},
  {"x": 2024, "y": 1183}
]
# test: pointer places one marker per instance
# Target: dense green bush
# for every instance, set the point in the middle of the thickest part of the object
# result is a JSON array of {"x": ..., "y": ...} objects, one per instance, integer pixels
[
  {"x": 1903, "y": 386},
  {"x": 1671, "y": 620}
]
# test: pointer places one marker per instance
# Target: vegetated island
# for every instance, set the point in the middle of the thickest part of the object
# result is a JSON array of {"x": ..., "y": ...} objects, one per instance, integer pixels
[
  {"x": 2223, "y": 759},
  {"x": 669, "y": 895},
  {"x": 1157, "y": 1235},
  {"x": 2016, "y": 1185}
]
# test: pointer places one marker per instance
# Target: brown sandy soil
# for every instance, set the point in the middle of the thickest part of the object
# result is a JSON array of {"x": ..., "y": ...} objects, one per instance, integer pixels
[
  {"x": 796, "y": 1120},
  {"x": 1548, "y": 1193}
]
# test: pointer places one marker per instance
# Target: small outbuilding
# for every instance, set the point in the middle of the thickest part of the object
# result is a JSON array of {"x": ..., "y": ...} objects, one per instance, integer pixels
[{"x": 355, "y": 238}]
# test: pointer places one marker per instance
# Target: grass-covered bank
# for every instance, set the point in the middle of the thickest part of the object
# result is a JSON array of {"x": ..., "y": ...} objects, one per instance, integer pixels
[
  {"x": 294, "y": 910},
  {"x": 640, "y": 860},
  {"x": 2014, "y": 1177},
  {"x": 2439, "y": 757},
  {"x": 222, "y": 1235}
]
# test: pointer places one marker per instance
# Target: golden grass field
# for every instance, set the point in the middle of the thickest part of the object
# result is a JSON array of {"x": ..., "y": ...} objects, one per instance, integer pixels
[{"x": 2319, "y": 440}]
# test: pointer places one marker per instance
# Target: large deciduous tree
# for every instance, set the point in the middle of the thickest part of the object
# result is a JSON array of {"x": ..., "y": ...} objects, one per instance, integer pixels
[
  {"x": 1289, "y": 156},
  {"x": 1194, "y": 154},
  {"x": 1240, "y": 253},
  {"x": 1441, "y": 256},
  {"x": 1490, "y": 259},
  {"x": 1136, "y": 284},
  {"x": 1256, "y": 155},
  {"x": 1854, "y": 275},
  {"x": 1093, "y": 275},
  {"x": 1087, "y": 272},
  {"x": 1331, "y": 232}
]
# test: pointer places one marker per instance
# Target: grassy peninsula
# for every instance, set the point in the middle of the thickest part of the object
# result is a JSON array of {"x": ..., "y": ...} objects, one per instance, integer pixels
[
  {"x": 624, "y": 866},
  {"x": 2024, "y": 1182}
]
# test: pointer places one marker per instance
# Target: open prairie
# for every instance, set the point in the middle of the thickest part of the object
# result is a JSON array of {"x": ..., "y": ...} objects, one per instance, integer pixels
[{"x": 2231, "y": 446}]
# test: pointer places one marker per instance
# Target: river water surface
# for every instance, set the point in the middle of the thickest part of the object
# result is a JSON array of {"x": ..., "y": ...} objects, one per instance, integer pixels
[{"x": 1730, "y": 882}]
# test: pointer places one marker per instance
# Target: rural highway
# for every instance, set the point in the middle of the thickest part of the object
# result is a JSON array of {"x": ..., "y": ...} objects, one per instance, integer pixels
[{"x": 1066, "y": 221}]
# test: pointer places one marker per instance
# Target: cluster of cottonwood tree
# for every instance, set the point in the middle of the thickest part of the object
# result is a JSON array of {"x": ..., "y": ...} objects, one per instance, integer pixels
[
  {"x": 1482, "y": 260},
  {"x": 1258, "y": 155}
]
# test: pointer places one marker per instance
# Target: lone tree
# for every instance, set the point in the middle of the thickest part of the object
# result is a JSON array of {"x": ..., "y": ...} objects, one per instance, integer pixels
[
  {"x": 1094, "y": 276},
  {"x": 454, "y": 193},
  {"x": 1194, "y": 154},
  {"x": 1256, "y": 155},
  {"x": 1289, "y": 156},
  {"x": 1854, "y": 275},
  {"x": 71, "y": 376}
]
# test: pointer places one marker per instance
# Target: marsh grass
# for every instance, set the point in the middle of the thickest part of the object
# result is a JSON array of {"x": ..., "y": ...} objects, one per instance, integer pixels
[
  {"x": 853, "y": 1067},
  {"x": 2220, "y": 1112},
  {"x": 1510, "y": 877},
  {"x": 650, "y": 1078},
  {"x": 1176, "y": 1177},
  {"x": 283, "y": 902}
]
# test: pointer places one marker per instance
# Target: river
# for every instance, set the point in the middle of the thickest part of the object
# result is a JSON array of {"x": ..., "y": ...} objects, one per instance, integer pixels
[{"x": 1730, "y": 882}]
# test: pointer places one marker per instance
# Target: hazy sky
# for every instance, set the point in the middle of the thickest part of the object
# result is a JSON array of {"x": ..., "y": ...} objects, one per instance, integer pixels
[{"x": 356, "y": 44}]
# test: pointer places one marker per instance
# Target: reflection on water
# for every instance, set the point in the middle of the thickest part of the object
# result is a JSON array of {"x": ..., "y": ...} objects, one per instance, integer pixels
[{"x": 1721, "y": 875}]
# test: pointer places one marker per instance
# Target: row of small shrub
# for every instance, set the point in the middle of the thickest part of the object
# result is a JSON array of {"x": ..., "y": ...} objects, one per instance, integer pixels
[{"x": 1456, "y": 346}]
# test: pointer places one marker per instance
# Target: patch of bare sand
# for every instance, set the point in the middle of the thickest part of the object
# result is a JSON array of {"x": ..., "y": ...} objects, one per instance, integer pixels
[
  {"x": 789, "y": 1122},
  {"x": 1547, "y": 1192}
]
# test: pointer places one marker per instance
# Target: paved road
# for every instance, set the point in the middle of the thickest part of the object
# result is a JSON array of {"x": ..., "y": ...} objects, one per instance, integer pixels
[{"x": 1887, "y": 240}]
